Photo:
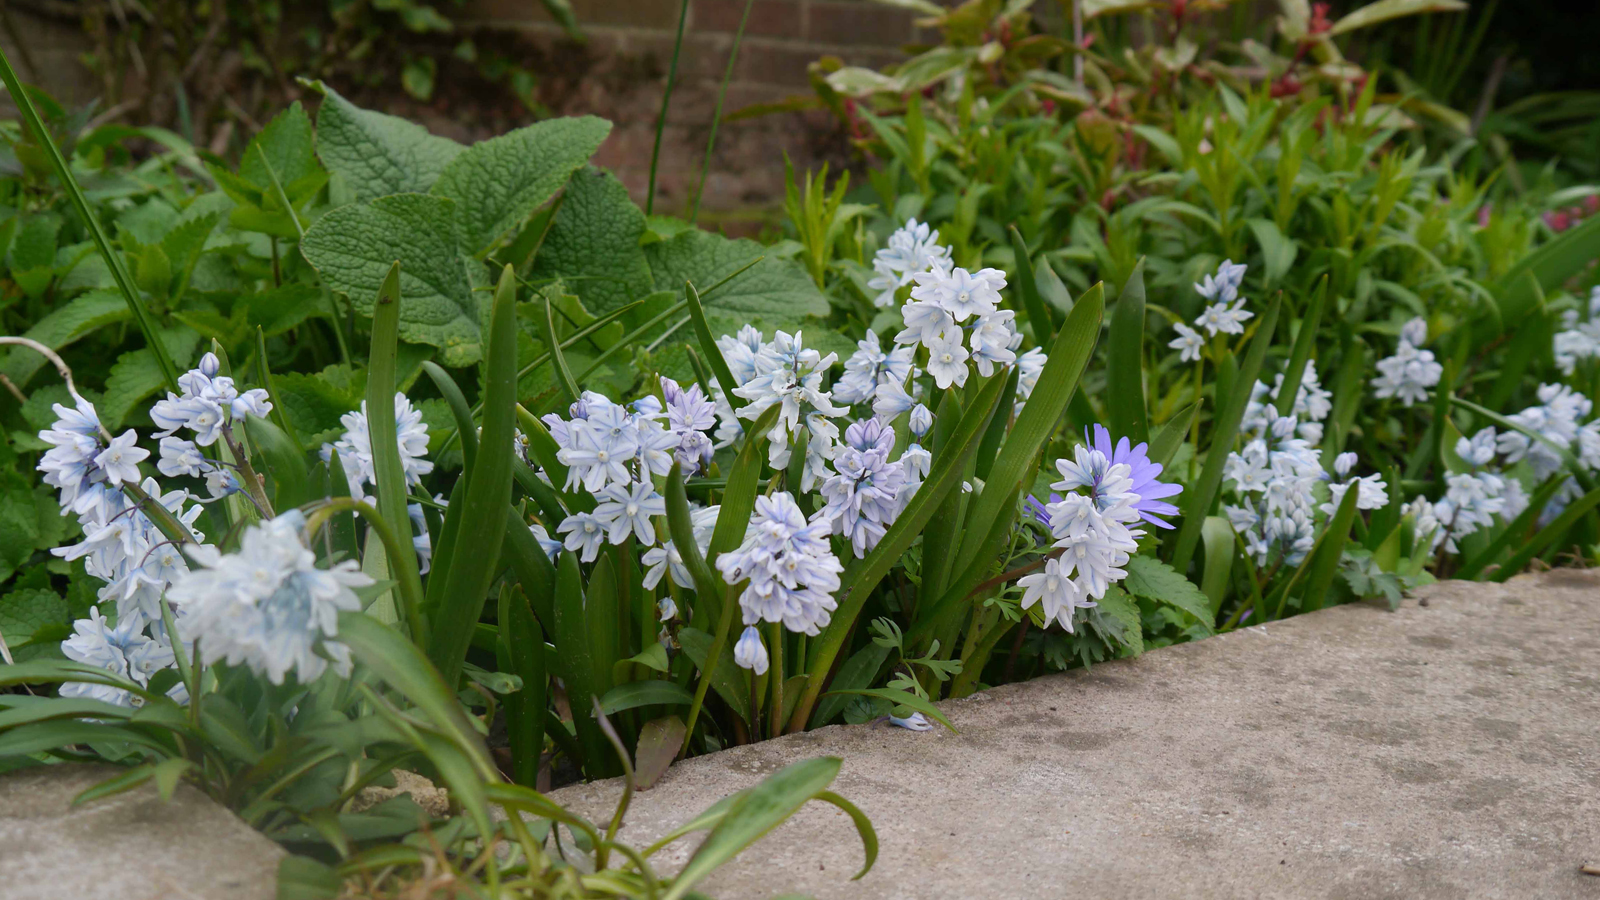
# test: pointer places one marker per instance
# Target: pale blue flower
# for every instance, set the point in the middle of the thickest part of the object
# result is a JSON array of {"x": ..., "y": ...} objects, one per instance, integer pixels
[{"x": 750, "y": 653}]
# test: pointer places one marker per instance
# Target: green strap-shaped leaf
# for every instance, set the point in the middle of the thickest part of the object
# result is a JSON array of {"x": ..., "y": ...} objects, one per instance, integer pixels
[
  {"x": 761, "y": 809},
  {"x": 279, "y": 459},
  {"x": 708, "y": 346},
  {"x": 1547, "y": 535},
  {"x": 575, "y": 667},
  {"x": 522, "y": 646},
  {"x": 739, "y": 497},
  {"x": 1330, "y": 549},
  {"x": 1058, "y": 380},
  {"x": 635, "y": 694},
  {"x": 1039, "y": 315},
  {"x": 1515, "y": 530},
  {"x": 1125, "y": 364},
  {"x": 1225, "y": 429},
  {"x": 1304, "y": 343},
  {"x": 1217, "y": 535},
  {"x": 388, "y": 472},
  {"x": 403, "y": 667},
  {"x": 1171, "y": 435},
  {"x": 477, "y": 551},
  {"x": 707, "y": 584},
  {"x": 862, "y": 577}
]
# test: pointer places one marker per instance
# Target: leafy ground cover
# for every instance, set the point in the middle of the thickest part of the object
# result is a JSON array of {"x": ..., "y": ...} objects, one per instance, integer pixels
[{"x": 1045, "y": 391}]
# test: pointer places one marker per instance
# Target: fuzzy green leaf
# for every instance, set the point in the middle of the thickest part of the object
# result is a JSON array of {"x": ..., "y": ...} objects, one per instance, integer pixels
[
  {"x": 378, "y": 154},
  {"x": 593, "y": 244},
  {"x": 498, "y": 183},
  {"x": 776, "y": 290},
  {"x": 354, "y": 246}
]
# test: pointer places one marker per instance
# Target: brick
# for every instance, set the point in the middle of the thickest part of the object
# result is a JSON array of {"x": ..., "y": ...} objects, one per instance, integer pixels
[
  {"x": 769, "y": 18},
  {"x": 857, "y": 23},
  {"x": 774, "y": 63},
  {"x": 646, "y": 14}
]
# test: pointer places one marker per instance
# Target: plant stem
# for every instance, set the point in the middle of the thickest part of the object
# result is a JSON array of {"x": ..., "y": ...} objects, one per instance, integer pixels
[
  {"x": 666, "y": 100},
  {"x": 775, "y": 716},
  {"x": 716, "y": 112},
  {"x": 114, "y": 261},
  {"x": 724, "y": 626},
  {"x": 410, "y": 591}
]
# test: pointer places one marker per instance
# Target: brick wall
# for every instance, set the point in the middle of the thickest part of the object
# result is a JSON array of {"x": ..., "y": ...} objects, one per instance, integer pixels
[
  {"x": 619, "y": 74},
  {"x": 781, "y": 39}
]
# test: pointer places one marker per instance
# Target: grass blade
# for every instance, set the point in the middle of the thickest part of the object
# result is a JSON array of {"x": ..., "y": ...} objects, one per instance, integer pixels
[
  {"x": 666, "y": 101},
  {"x": 716, "y": 111},
  {"x": 113, "y": 259}
]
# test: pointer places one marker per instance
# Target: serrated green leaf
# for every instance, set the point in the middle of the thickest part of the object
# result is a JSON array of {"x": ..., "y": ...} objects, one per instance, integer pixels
[
  {"x": 25, "y": 612},
  {"x": 378, "y": 154},
  {"x": 498, "y": 183},
  {"x": 354, "y": 246},
  {"x": 593, "y": 244},
  {"x": 1153, "y": 579},
  {"x": 34, "y": 246},
  {"x": 285, "y": 144},
  {"x": 1119, "y": 612},
  {"x": 64, "y": 325},
  {"x": 314, "y": 402},
  {"x": 137, "y": 375}
]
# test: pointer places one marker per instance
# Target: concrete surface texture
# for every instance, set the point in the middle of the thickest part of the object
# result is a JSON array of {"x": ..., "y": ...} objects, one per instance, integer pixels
[
  {"x": 132, "y": 846},
  {"x": 1447, "y": 750}
]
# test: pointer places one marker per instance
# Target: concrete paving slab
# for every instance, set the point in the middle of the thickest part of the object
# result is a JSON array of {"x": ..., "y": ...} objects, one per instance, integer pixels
[
  {"x": 1447, "y": 750},
  {"x": 132, "y": 846}
]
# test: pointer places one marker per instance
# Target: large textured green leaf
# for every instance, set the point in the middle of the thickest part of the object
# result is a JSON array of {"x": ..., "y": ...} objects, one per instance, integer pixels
[
  {"x": 354, "y": 246},
  {"x": 498, "y": 183},
  {"x": 777, "y": 290},
  {"x": 378, "y": 154},
  {"x": 593, "y": 244}
]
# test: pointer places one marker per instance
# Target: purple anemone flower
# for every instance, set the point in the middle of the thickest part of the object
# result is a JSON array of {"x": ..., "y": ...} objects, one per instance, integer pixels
[{"x": 1151, "y": 492}]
